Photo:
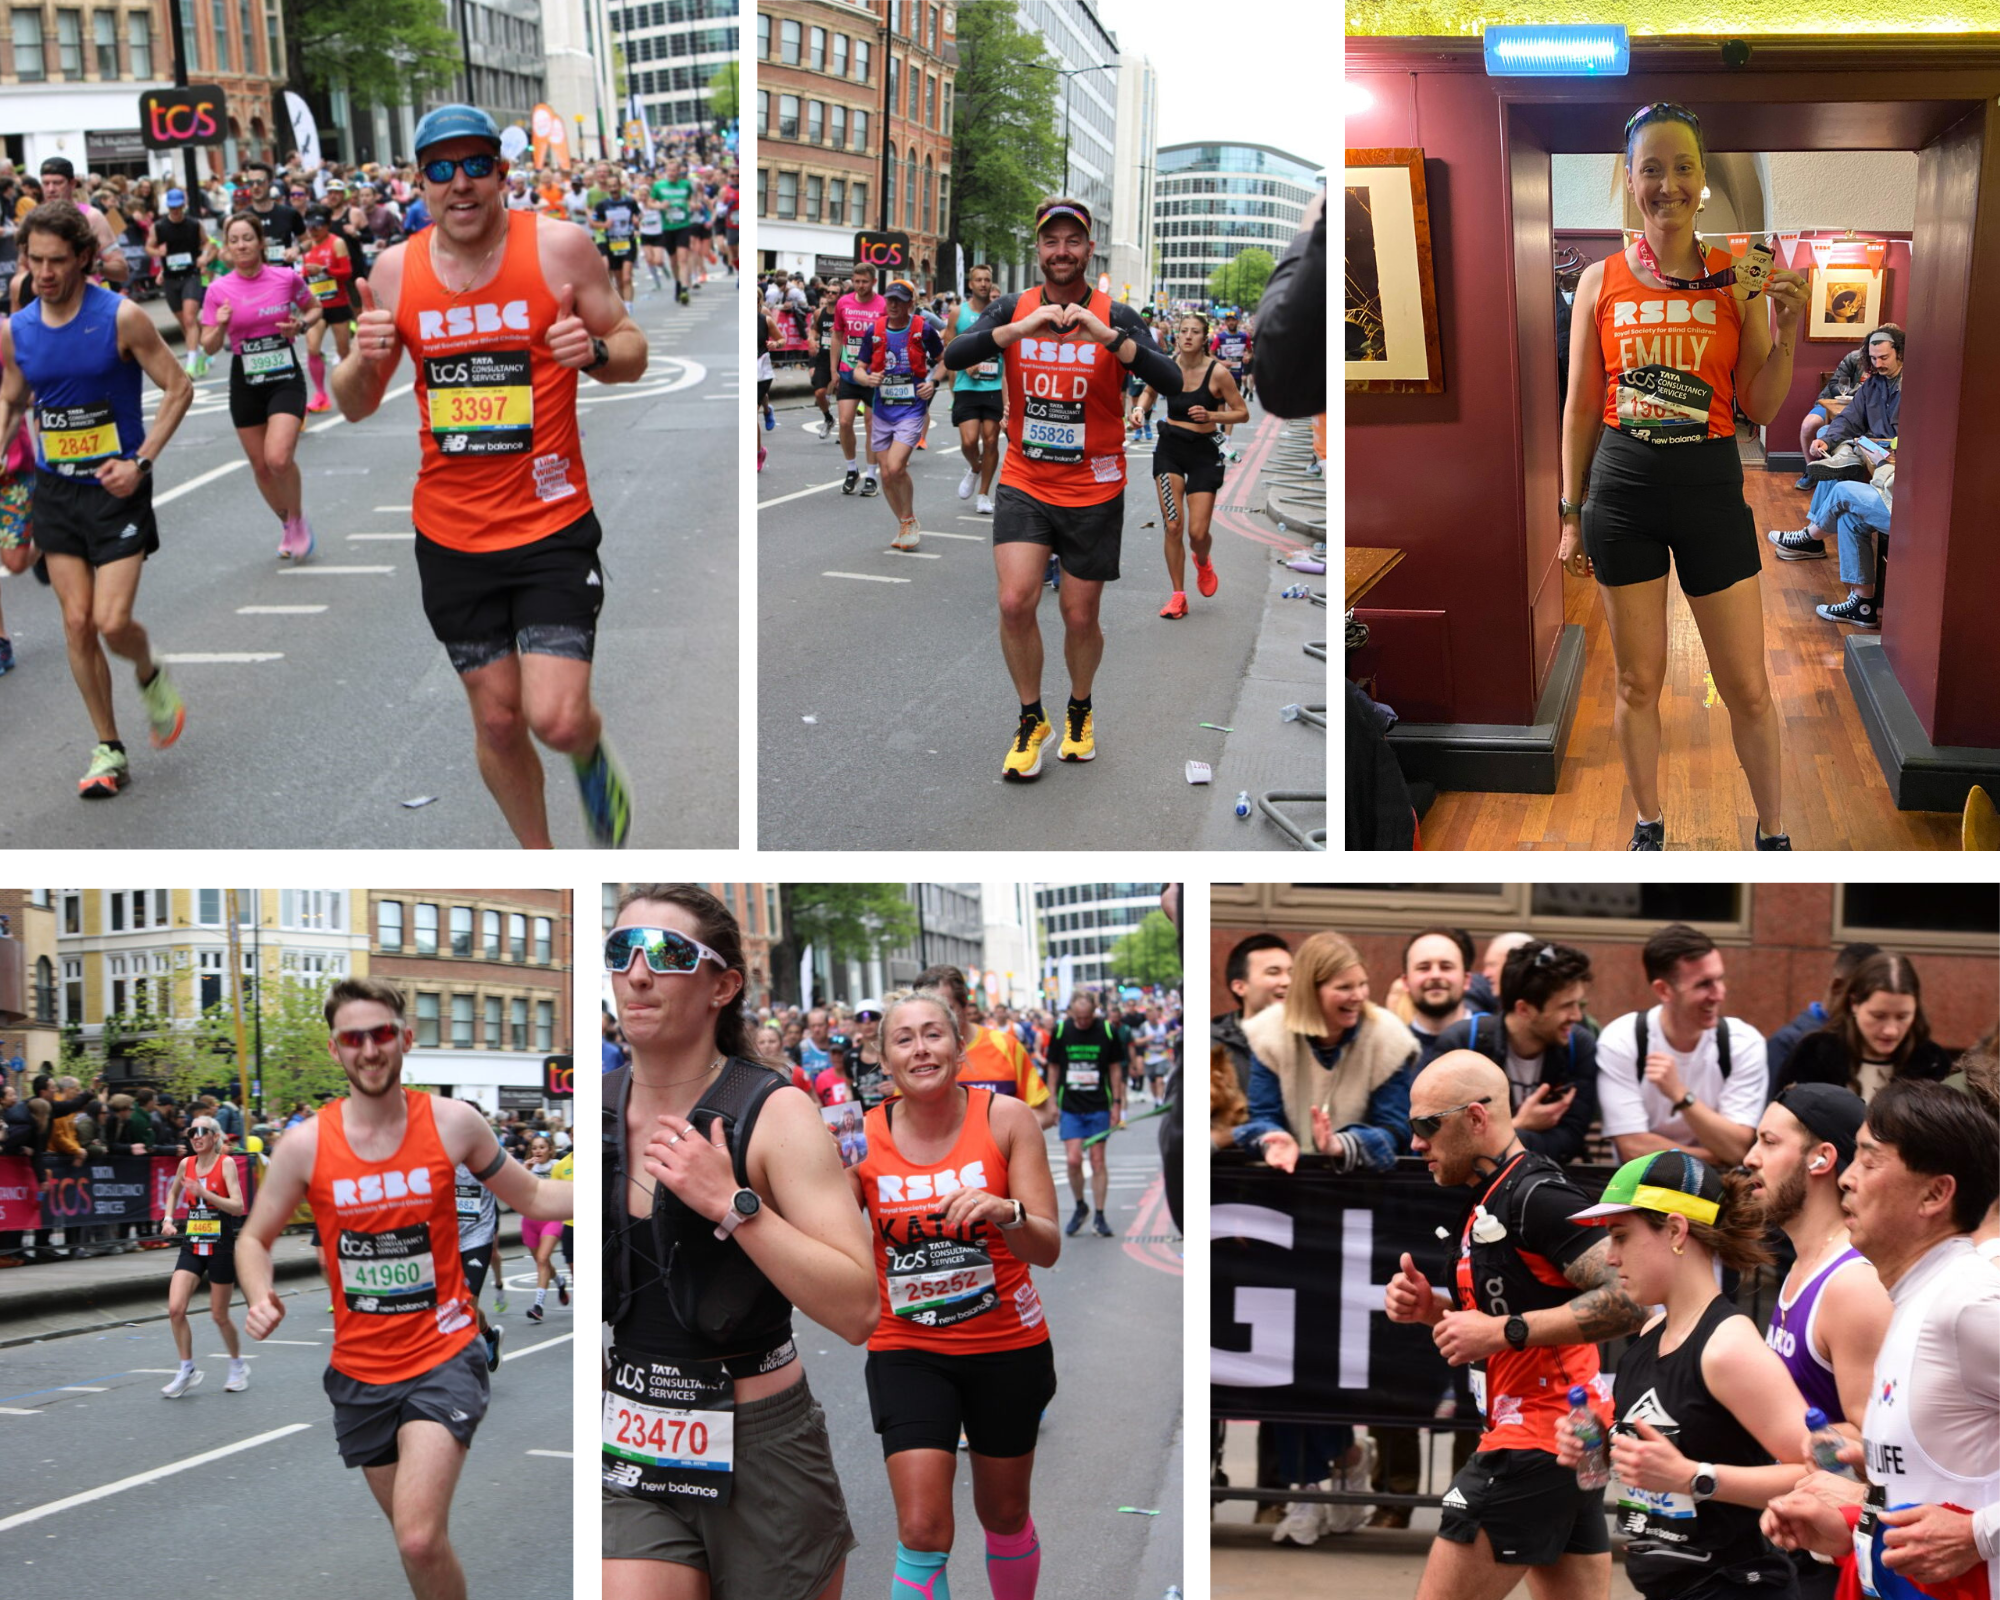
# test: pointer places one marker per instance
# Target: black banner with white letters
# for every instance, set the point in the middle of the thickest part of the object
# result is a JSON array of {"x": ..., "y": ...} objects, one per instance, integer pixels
[{"x": 1299, "y": 1264}]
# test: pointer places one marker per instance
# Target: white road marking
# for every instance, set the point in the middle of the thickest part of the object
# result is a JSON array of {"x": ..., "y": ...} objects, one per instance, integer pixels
[
  {"x": 565, "y": 1454},
  {"x": 279, "y": 611},
  {"x": 800, "y": 494},
  {"x": 315, "y": 1343},
  {"x": 410, "y": 535},
  {"x": 223, "y": 658},
  {"x": 864, "y": 577},
  {"x": 82, "y": 1388},
  {"x": 915, "y": 555},
  {"x": 36, "y": 1513},
  {"x": 380, "y": 509},
  {"x": 528, "y": 1350},
  {"x": 309, "y": 570},
  {"x": 987, "y": 519},
  {"x": 940, "y": 533},
  {"x": 17, "y": 1411},
  {"x": 194, "y": 483}
]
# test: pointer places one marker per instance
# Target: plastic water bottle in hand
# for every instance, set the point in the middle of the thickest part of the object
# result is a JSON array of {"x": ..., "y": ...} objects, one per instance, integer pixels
[
  {"x": 1594, "y": 1470},
  {"x": 1826, "y": 1444}
]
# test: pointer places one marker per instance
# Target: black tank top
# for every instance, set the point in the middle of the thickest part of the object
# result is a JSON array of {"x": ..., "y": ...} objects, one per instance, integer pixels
[
  {"x": 1181, "y": 403},
  {"x": 1674, "y": 1545}
]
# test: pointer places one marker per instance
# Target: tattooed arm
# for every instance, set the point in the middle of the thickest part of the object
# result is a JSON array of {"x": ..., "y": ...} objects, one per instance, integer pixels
[{"x": 1602, "y": 1311}]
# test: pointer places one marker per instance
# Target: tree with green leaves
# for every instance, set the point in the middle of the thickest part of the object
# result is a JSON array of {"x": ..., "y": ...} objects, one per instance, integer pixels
[
  {"x": 1241, "y": 282},
  {"x": 1006, "y": 151},
  {"x": 382, "y": 52},
  {"x": 850, "y": 921},
  {"x": 1149, "y": 954},
  {"x": 724, "y": 93},
  {"x": 198, "y": 1057}
]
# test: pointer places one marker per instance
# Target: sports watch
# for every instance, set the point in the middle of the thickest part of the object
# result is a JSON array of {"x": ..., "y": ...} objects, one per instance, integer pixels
[
  {"x": 1685, "y": 1101},
  {"x": 1703, "y": 1485},
  {"x": 1571, "y": 508},
  {"x": 743, "y": 1205},
  {"x": 1020, "y": 1218},
  {"x": 601, "y": 353},
  {"x": 1516, "y": 1332}
]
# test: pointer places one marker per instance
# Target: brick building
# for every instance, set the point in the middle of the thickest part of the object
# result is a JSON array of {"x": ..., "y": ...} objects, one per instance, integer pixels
[
  {"x": 818, "y": 119},
  {"x": 487, "y": 972},
  {"x": 916, "y": 188},
  {"x": 758, "y": 914},
  {"x": 70, "y": 78},
  {"x": 36, "y": 1040}
]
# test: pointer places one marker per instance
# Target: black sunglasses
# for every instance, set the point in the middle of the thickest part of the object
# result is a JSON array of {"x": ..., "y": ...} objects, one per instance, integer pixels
[
  {"x": 479, "y": 166},
  {"x": 1427, "y": 1127},
  {"x": 667, "y": 950}
]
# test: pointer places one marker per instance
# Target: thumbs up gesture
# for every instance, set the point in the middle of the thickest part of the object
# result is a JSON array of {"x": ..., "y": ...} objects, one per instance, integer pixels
[
  {"x": 1409, "y": 1297},
  {"x": 568, "y": 339},
  {"x": 375, "y": 330}
]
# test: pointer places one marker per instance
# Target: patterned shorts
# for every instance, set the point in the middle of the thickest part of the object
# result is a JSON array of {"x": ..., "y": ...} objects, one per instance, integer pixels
[{"x": 13, "y": 513}]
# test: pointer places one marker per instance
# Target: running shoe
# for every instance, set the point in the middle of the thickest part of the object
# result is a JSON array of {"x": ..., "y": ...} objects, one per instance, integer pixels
[
  {"x": 1052, "y": 574},
  {"x": 1797, "y": 544},
  {"x": 499, "y": 1300},
  {"x": 1844, "y": 465},
  {"x": 299, "y": 536},
  {"x": 562, "y": 1290},
  {"x": 1855, "y": 610},
  {"x": 6, "y": 656},
  {"x": 493, "y": 1348},
  {"x": 1773, "y": 841},
  {"x": 319, "y": 402},
  {"x": 1176, "y": 605},
  {"x": 907, "y": 533},
  {"x": 761, "y": 454},
  {"x": 871, "y": 486},
  {"x": 184, "y": 1381},
  {"x": 1802, "y": 482},
  {"x": 967, "y": 484},
  {"x": 201, "y": 363},
  {"x": 239, "y": 1377},
  {"x": 1024, "y": 755},
  {"x": 985, "y": 505},
  {"x": 825, "y": 428},
  {"x": 1204, "y": 577},
  {"x": 1649, "y": 835},
  {"x": 1078, "y": 743},
  {"x": 165, "y": 710},
  {"x": 1077, "y": 1219},
  {"x": 770, "y": 419},
  {"x": 109, "y": 772},
  {"x": 607, "y": 798},
  {"x": 847, "y": 483},
  {"x": 1101, "y": 1227},
  {"x": 682, "y": 297},
  {"x": 535, "y": 1313}
]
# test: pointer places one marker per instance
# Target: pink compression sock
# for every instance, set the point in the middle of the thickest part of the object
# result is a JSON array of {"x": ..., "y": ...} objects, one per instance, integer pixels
[
  {"x": 1013, "y": 1563},
  {"x": 316, "y": 365}
]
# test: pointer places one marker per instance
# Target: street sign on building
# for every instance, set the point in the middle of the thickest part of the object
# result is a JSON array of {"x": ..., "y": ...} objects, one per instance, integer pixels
[
  {"x": 172, "y": 119},
  {"x": 559, "y": 1077},
  {"x": 887, "y": 253}
]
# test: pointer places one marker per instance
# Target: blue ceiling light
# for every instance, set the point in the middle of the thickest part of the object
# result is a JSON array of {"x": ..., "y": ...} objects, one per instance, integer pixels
[{"x": 1582, "y": 50}]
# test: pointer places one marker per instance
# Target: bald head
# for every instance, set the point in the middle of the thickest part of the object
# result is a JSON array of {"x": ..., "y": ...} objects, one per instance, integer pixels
[
  {"x": 1470, "y": 1093},
  {"x": 1454, "y": 1078},
  {"x": 1501, "y": 946}
]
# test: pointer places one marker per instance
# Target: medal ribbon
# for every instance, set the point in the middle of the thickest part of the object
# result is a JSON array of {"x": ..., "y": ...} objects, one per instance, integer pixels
[{"x": 1651, "y": 262}]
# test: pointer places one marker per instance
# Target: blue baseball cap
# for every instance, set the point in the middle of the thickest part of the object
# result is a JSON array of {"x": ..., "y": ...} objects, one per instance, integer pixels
[
  {"x": 176, "y": 197},
  {"x": 456, "y": 122}
]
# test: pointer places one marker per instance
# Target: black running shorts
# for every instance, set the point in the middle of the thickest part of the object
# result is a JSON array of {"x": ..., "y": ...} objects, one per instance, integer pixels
[
  {"x": 473, "y": 1264},
  {"x": 1086, "y": 539},
  {"x": 1195, "y": 457},
  {"x": 822, "y": 371},
  {"x": 785, "y": 1530},
  {"x": 1649, "y": 503},
  {"x": 366, "y": 1416},
  {"x": 535, "y": 599},
  {"x": 977, "y": 405},
  {"x": 181, "y": 288},
  {"x": 80, "y": 517},
  {"x": 855, "y": 391},
  {"x": 1529, "y": 1506},
  {"x": 675, "y": 238},
  {"x": 337, "y": 313},
  {"x": 251, "y": 405},
  {"x": 217, "y": 1268},
  {"x": 921, "y": 1399}
]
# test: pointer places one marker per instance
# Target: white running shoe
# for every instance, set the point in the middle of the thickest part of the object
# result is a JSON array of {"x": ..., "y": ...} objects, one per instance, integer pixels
[
  {"x": 1304, "y": 1522},
  {"x": 183, "y": 1381},
  {"x": 985, "y": 506},
  {"x": 239, "y": 1377},
  {"x": 965, "y": 485}
]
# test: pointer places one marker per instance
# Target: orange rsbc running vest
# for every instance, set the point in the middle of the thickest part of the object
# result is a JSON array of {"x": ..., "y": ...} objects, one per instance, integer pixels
[
  {"x": 958, "y": 1292},
  {"x": 1669, "y": 356},
  {"x": 388, "y": 1235},
  {"x": 1065, "y": 413},
  {"x": 502, "y": 463}
]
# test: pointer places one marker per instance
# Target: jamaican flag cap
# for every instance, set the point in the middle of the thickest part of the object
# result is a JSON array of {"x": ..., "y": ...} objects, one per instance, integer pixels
[{"x": 1665, "y": 1181}]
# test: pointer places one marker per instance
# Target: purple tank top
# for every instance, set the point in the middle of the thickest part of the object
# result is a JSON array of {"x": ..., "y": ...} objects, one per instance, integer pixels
[{"x": 1790, "y": 1334}]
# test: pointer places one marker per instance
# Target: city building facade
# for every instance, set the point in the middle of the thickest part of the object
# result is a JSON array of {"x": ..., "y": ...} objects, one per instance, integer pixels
[
  {"x": 1213, "y": 200},
  {"x": 33, "y": 1043},
  {"x": 916, "y": 167},
  {"x": 1081, "y": 924},
  {"x": 486, "y": 973},
  {"x": 819, "y": 124},
  {"x": 1087, "y": 56},
  {"x": 71, "y": 77},
  {"x": 1135, "y": 155},
  {"x": 671, "y": 49},
  {"x": 1009, "y": 948},
  {"x": 576, "y": 35}
]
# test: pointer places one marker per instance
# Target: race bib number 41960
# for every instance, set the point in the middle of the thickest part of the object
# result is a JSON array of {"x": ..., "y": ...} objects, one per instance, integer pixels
[{"x": 387, "y": 1274}]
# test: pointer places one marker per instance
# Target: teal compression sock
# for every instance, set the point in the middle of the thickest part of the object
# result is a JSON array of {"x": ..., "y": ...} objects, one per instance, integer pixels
[{"x": 920, "y": 1572}]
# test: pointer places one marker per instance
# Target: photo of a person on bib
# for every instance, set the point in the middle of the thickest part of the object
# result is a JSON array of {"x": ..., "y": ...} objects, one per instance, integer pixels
[{"x": 1668, "y": 340}]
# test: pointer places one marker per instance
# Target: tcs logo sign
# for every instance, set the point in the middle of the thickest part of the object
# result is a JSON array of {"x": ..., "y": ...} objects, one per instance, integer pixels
[
  {"x": 888, "y": 251},
  {"x": 930, "y": 1185},
  {"x": 374, "y": 1187},
  {"x": 172, "y": 118}
]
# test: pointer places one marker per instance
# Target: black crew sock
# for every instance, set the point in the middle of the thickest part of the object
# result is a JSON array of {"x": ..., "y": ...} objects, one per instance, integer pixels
[
  {"x": 1079, "y": 705},
  {"x": 147, "y": 683},
  {"x": 114, "y": 744},
  {"x": 1034, "y": 709}
]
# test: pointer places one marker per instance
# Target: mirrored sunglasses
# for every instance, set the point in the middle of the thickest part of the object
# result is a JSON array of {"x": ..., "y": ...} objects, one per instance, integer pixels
[
  {"x": 479, "y": 166},
  {"x": 355, "y": 1038},
  {"x": 667, "y": 950}
]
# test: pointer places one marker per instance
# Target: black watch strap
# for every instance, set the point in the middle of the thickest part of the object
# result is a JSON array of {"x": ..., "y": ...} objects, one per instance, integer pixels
[
  {"x": 603, "y": 354},
  {"x": 1517, "y": 1332}
]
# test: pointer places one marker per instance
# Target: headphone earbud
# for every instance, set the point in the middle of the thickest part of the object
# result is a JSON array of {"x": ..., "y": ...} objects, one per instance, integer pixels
[{"x": 1818, "y": 1165}]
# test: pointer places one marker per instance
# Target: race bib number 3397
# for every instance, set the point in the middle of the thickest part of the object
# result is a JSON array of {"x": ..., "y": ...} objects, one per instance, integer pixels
[{"x": 481, "y": 403}]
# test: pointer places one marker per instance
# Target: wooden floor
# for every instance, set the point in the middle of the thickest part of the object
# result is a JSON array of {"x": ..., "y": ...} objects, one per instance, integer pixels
[{"x": 1835, "y": 795}]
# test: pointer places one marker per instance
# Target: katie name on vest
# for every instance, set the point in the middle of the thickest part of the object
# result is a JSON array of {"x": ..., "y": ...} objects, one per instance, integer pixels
[
  {"x": 374, "y": 1188},
  {"x": 457, "y": 322}
]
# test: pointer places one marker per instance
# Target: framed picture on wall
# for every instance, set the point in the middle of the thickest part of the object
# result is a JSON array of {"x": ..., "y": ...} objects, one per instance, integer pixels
[
  {"x": 1391, "y": 315},
  {"x": 1845, "y": 303}
]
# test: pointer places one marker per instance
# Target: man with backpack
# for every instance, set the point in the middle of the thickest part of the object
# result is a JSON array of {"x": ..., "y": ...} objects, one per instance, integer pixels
[{"x": 1682, "y": 1076}]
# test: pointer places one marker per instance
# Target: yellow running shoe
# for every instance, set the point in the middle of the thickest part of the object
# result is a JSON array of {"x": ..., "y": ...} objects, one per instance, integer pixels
[
  {"x": 1078, "y": 742},
  {"x": 1024, "y": 755}
]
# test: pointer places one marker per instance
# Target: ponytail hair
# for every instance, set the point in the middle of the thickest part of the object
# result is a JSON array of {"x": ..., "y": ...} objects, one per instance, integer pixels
[{"x": 1736, "y": 1236}]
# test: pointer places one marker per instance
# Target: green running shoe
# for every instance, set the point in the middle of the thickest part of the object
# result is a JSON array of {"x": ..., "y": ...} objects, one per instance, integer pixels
[
  {"x": 607, "y": 798},
  {"x": 164, "y": 708},
  {"x": 109, "y": 772}
]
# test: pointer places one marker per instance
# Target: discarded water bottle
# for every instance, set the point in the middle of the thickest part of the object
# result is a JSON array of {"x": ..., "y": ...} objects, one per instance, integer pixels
[
  {"x": 1290, "y": 713},
  {"x": 1827, "y": 1444},
  {"x": 1594, "y": 1470},
  {"x": 1243, "y": 802},
  {"x": 1173, "y": 1593}
]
